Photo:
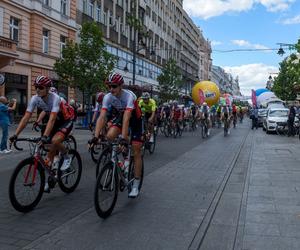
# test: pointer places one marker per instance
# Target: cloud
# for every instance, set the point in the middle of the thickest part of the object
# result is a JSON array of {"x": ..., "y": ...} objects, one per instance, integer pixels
[
  {"x": 251, "y": 76},
  {"x": 207, "y": 9},
  {"x": 216, "y": 43},
  {"x": 293, "y": 20},
  {"x": 244, "y": 43}
]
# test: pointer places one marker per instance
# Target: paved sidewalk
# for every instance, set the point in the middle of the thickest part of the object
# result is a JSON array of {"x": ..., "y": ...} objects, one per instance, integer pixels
[{"x": 273, "y": 194}]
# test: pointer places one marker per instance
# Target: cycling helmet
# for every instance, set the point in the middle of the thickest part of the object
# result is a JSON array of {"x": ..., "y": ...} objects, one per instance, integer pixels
[
  {"x": 43, "y": 81},
  {"x": 53, "y": 90},
  {"x": 204, "y": 104},
  {"x": 145, "y": 95},
  {"x": 100, "y": 97},
  {"x": 114, "y": 78}
]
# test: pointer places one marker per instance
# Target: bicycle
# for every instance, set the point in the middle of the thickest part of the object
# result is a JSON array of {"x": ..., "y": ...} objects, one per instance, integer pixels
[
  {"x": 204, "y": 128},
  {"x": 234, "y": 120},
  {"x": 69, "y": 142},
  {"x": 30, "y": 172},
  {"x": 226, "y": 126},
  {"x": 150, "y": 146},
  {"x": 115, "y": 176}
]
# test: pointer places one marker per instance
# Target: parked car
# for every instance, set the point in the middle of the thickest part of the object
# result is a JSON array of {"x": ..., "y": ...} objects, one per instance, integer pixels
[
  {"x": 262, "y": 114},
  {"x": 275, "y": 115}
]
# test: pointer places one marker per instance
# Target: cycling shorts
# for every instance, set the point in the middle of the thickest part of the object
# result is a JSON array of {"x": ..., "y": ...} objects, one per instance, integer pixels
[{"x": 62, "y": 127}]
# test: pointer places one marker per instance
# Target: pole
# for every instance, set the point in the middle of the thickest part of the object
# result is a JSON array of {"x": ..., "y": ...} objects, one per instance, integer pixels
[{"x": 134, "y": 55}]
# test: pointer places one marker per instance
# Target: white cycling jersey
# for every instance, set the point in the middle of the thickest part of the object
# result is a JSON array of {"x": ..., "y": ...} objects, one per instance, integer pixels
[
  {"x": 124, "y": 102},
  {"x": 52, "y": 104},
  {"x": 204, "y": 109}
]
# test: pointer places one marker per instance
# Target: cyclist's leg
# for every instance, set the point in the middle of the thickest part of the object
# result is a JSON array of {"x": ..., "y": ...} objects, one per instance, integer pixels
[{"x": 137, "y": 142}]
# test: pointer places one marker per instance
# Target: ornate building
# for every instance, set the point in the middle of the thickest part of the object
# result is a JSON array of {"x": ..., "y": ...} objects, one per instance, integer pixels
[{"x": 32, "y": 34}]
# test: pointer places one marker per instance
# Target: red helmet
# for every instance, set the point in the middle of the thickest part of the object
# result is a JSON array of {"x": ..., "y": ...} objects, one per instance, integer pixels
[
  {"x": 114, "y": 78},
  {"x": 43, "y": 81},
  {"x": 100, "y": 97}
]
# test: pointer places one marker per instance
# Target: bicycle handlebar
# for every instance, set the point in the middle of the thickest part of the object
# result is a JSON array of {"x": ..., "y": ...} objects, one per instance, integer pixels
[{"x": 34, "y": 140}]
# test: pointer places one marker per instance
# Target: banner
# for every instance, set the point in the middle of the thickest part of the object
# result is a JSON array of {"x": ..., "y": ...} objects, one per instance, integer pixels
[{"x": 253, "y": 98}]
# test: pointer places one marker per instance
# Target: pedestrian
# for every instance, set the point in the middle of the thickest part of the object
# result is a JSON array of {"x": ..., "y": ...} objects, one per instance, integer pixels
[
  {"x": 291, "y": 119},
  {"x": 254, "y": 117},
  {"x": 4, "y": 123},
  {"x": 11, "y": 113}
]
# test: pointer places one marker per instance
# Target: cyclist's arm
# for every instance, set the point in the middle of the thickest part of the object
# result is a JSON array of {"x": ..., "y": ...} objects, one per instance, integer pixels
[
  {"x": 50, "y": 123},
  {"x": 41, "y": 116},
  {"x": 100, "y": 122},
  {"x": 125, "y": 123},
  {"x": 23, "y": 123}
]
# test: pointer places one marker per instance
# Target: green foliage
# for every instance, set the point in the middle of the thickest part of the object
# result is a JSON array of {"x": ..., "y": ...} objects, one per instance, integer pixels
[
  {"x": 170, "y": 81},
  {"x": 288, "y": 77},
  {"x": 85, "y": 65}
]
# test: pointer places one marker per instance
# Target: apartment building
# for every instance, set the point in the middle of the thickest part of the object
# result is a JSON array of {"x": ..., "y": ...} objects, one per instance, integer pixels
[
  {"x": 225, "y": 81},
  {"x": 168, "y": 32},
  {"x": 32, "y": 35}
]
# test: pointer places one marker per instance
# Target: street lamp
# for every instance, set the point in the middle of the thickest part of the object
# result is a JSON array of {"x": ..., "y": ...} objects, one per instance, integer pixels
[{"x": 290, "y": 46}]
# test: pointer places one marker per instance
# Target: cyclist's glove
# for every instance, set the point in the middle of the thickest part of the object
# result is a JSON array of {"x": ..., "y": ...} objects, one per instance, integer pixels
[
  {"x": 13, "y": 138},
  {"x": 35, "y": 126},
  {"x": 45, "y": 139}
]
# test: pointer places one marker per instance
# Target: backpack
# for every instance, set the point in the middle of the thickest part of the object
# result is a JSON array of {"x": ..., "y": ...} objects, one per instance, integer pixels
[{"x": 67, "y": 111}]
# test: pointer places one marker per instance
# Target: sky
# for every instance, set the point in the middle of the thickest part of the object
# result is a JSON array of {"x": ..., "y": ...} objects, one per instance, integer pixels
[{"x": 247, "y": 24}]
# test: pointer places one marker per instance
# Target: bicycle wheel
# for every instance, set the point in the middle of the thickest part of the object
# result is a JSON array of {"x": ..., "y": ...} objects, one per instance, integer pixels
[
  {"x": 24, "y": 192},
  {"x": 131, "y": 175},
  {"x": 71, "y": 142},
  {"x": 103, "y": 159},
  {"x": 69, "y": 179},
  {"x": 106, "y": 190}
]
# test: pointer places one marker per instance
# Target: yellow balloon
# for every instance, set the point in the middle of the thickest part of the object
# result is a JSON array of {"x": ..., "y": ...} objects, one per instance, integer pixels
[{"x": 206, "y": 91}]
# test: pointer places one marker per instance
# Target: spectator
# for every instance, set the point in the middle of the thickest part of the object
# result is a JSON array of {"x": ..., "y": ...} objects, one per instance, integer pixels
[
  {"x": 4, "y": 123},
  {"x": 254, "y": 117},
  {"x": 291, "y": 119},
  {"x": 11, "y": 113}
]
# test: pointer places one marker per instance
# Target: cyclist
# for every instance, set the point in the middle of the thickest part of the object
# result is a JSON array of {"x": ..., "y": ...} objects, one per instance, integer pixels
[
  {"x": 234, "y": 113},
  {"x": 148, "y": 107},
  {"x": 219, "y": 109},
  {"x": 205, "y": 115},
  {"x": 60, "y": 121},
  {"x": 126, "y": 114},
  {"x": 176, "y": 113},
  {"x": 225, "y": 115},
  {"x": 97, "y": 109}
]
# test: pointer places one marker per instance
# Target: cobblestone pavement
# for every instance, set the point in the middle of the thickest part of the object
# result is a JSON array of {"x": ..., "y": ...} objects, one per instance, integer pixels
[{"x": 238, "y": 192}]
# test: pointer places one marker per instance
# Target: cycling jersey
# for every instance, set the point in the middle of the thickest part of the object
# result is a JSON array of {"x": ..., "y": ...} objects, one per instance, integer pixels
[
  {"x": 147, "y": 107},
  {"x": 204, "y": 109},
  {"x": 52, "y": 104},
  {"x": 225, "y": 110},
  {"x": 117, "y": 105},
  {"x": 177, "y": 113},
  {"x": 125, "y": 102}
]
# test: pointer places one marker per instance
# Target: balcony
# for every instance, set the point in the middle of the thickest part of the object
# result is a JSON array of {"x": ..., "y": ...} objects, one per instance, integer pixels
[{"x": 8, "y": 51}]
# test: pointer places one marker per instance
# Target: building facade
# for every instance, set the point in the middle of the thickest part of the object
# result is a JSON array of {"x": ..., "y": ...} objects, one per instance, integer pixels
[
  {"x": 32, "y": 35},
  {"x": 167, "y": 32},
  {"x": 225, "y": 81}
]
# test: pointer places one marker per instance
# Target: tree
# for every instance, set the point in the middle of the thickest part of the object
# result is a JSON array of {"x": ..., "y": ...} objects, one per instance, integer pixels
[
  {"x": 85, "y": 65},
  {"x": 288, "y": 80},
  {"x": 170, "y": 81}
]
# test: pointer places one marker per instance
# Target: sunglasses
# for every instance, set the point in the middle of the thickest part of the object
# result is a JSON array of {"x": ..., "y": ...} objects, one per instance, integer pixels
[
  {"x": 113, "y": 86},
  {"x": 40, "y": 87}
]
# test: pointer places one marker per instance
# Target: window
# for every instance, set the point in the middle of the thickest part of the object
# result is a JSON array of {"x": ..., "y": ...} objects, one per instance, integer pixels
[
  {"x": 46, "y": 41},
  {"x": 14, "y": 29},
  {"x": 110, "y": 18},
  {"x": 46, "y": 2},
  {"x": 98, "y": 13},
  {"x": 63, "y": 7},
  {"x": 91, "y": 9},
  {"x": 62, "y": 44}
]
